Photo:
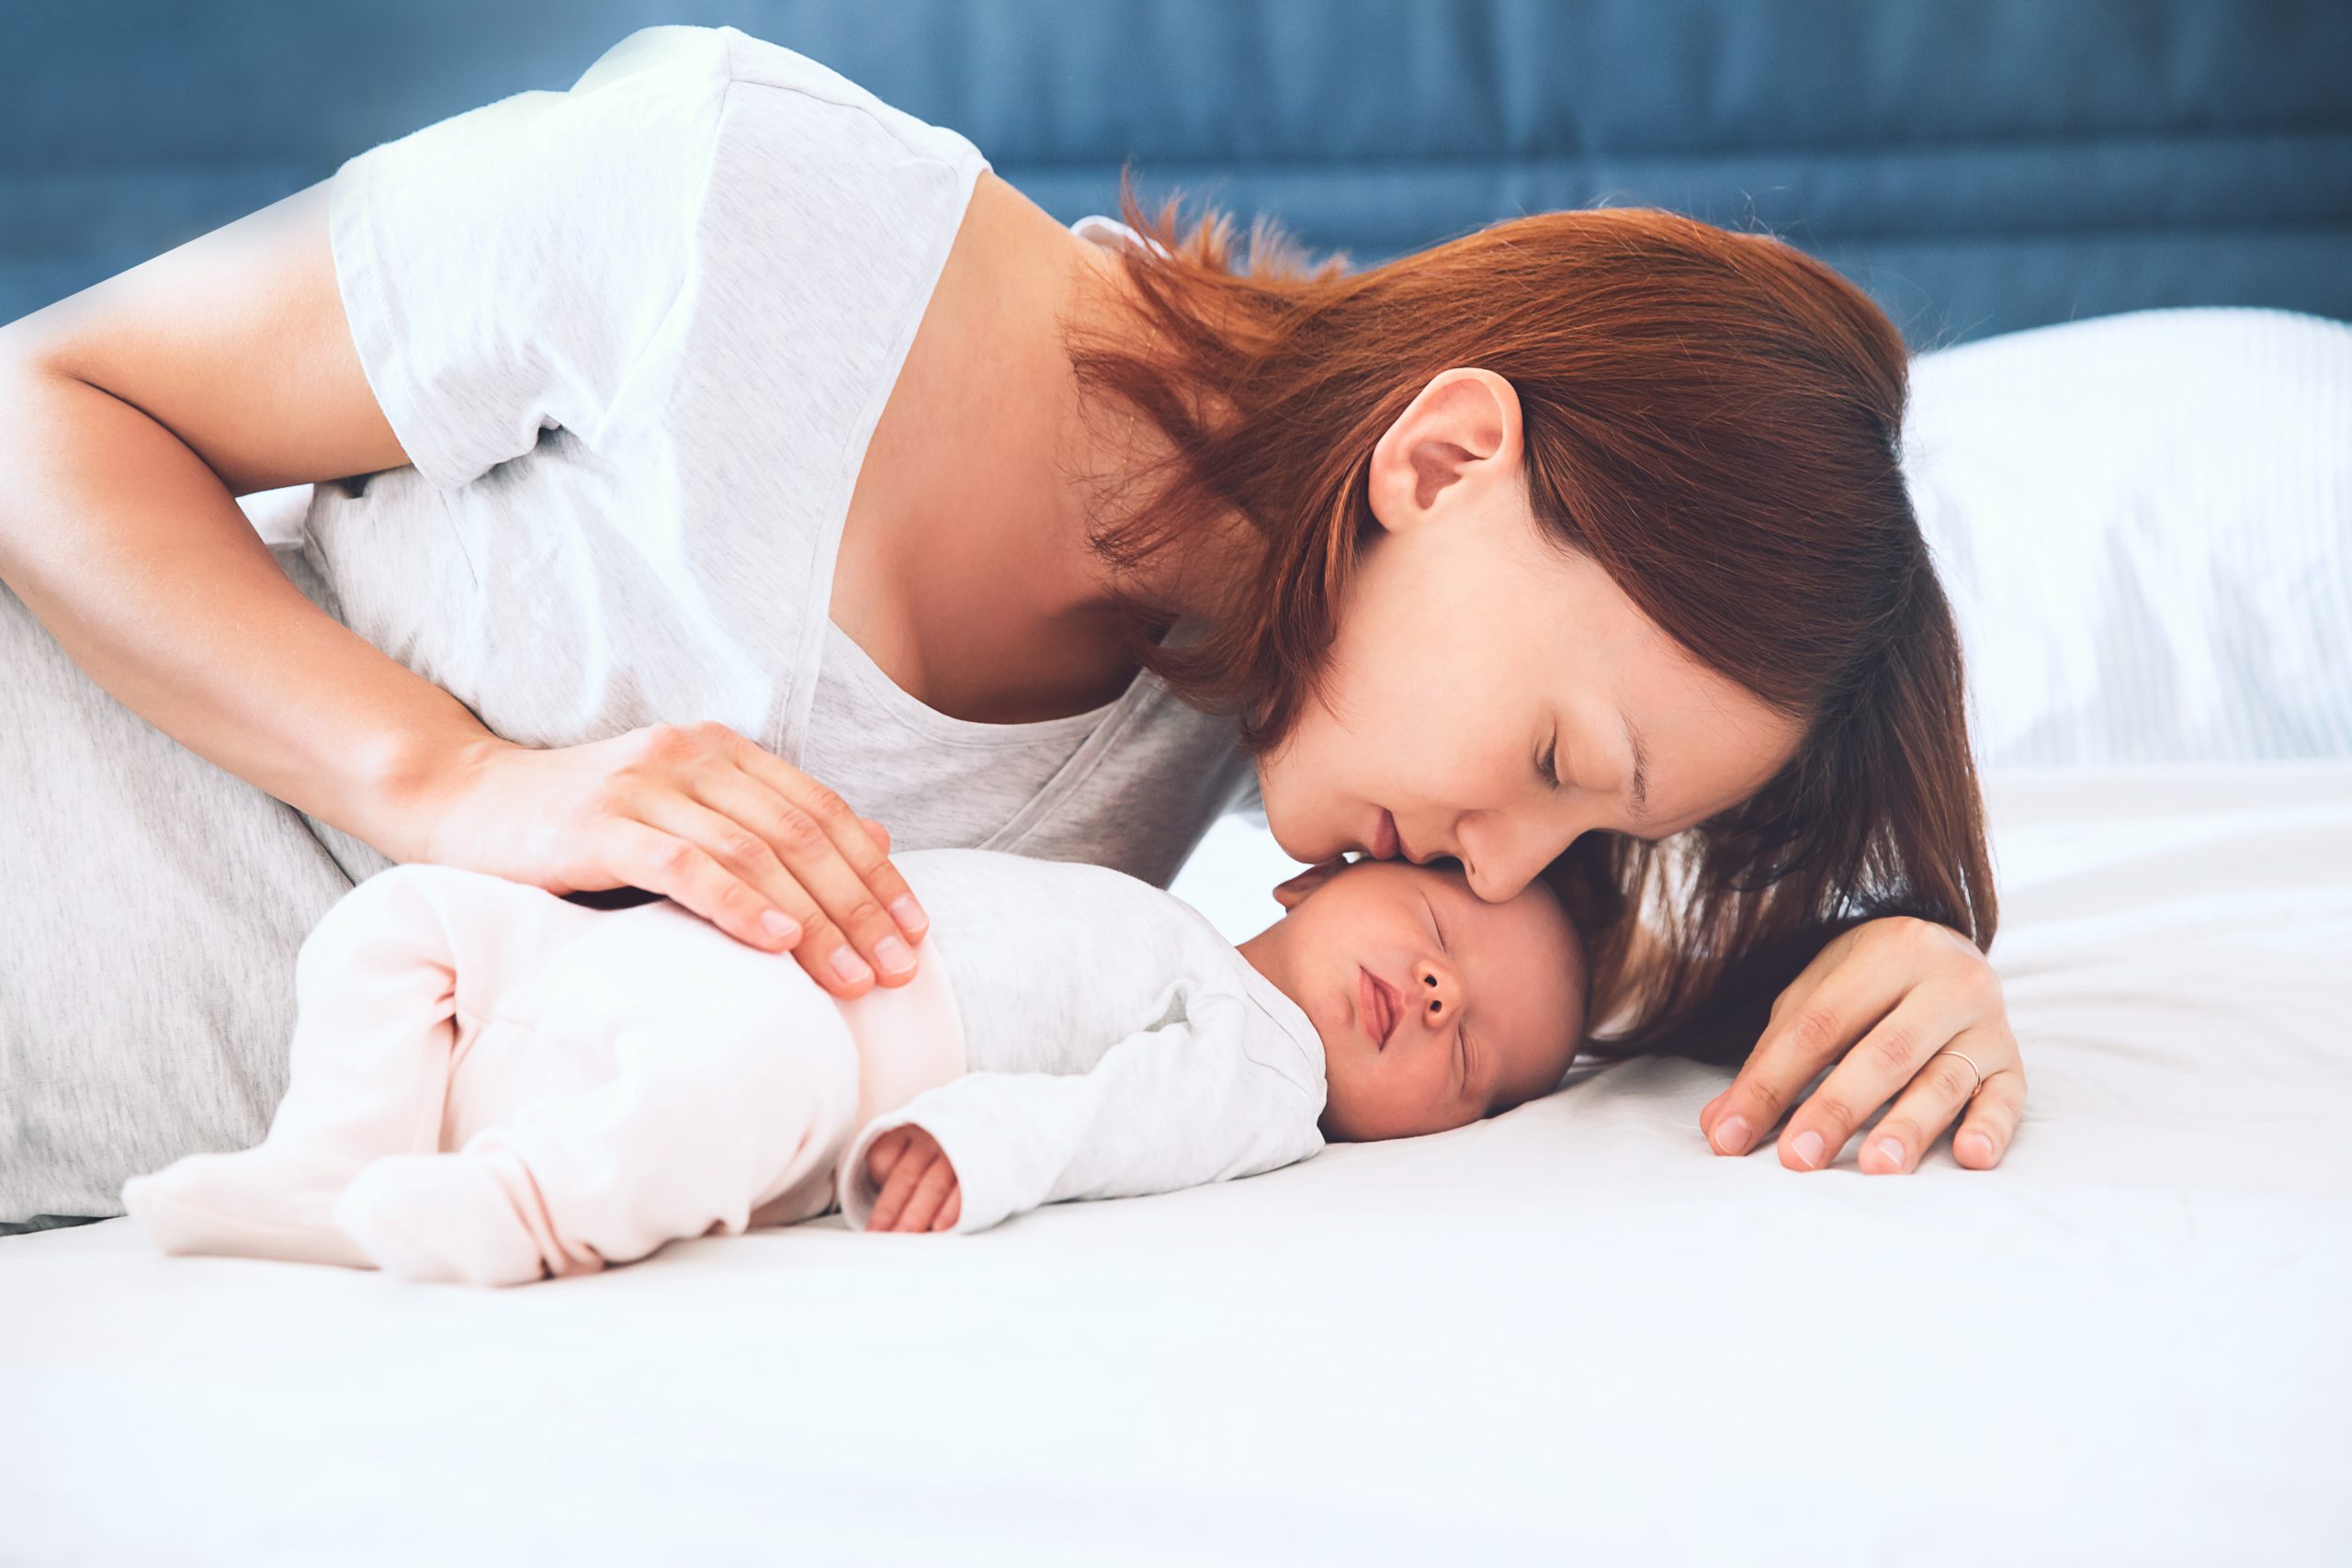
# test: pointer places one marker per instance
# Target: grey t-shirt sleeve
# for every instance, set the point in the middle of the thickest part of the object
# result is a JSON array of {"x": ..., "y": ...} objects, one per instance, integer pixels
[{"x": 504, "y": 271}]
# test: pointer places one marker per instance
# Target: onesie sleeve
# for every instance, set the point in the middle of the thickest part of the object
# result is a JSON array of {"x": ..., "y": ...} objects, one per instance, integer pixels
[
  {"x": 1171, "y": 1107},
  {"x": 504, "y": 270}
]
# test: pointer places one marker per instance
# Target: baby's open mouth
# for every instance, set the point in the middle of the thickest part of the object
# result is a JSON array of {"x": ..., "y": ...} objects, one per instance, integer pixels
[{"x": 1377, "y": 1007}]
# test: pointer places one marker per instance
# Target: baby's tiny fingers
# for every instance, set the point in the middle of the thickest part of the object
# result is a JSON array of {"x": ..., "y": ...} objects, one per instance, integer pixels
[
  {"x": 930, "y": 1193},
  {"x": 951, "y": 1211},
  {"x": 891, "y": 1202}
]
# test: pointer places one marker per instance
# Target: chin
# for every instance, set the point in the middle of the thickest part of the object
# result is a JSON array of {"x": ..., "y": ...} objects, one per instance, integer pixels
[{"x": 1278, "y": 823}]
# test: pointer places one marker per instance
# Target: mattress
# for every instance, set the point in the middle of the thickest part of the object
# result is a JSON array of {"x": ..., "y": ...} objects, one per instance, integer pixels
[{"x": 1570, "y": 1333}]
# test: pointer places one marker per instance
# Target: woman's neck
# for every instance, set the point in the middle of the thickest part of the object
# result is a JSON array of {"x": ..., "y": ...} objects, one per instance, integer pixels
[
  {"x": 1077, "y": 458},
  {"x": 974, "y": 582}
]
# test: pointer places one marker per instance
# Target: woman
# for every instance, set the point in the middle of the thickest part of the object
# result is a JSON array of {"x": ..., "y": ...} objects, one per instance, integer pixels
[{"x": 714, "y": 446}]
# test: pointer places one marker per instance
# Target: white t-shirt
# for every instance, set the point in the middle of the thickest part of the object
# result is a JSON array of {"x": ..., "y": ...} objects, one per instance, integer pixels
[
  {"x": 1114, "y": 1043},
  {"x": 634, "y": 338}
]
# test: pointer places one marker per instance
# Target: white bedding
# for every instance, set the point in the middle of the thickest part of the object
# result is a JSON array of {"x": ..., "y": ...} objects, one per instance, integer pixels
[{"x": 1566, "y": 1335}]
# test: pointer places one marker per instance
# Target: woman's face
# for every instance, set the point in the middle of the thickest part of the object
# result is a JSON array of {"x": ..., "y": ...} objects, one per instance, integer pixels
[{"x": 1472, "y": 653}]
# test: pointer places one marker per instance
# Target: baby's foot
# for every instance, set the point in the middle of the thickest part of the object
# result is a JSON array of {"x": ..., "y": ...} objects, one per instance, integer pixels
[
  {"x": 440, "y": 1217},
  {"x": 268, "y": 1201}
]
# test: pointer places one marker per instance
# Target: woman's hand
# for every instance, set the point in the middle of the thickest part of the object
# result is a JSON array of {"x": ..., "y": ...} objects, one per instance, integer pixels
[
  {"x": 695, "y": 813},
  {"x": 920, "y": 1192},
  {"x": 1887, "y": 996}
]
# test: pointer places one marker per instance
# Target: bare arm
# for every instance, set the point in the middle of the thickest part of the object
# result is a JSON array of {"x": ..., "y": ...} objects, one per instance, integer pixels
[{"x": 131, "y": 415}]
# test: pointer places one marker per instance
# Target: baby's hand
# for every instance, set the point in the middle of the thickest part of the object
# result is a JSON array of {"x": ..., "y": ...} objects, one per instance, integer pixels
[{"x": 919, "y": 1188}]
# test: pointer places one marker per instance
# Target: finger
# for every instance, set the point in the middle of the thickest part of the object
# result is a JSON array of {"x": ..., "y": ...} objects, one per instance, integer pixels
[
  {"x": 1993, "y": 1116},
  {"x": 1797, "y": 994},
  {"x": 856, "y": 853},
  {"x": 883, "y": 1153},
  {"x": 675, "y": 866},
  {"x": 891, "y": 1202},
  {"x": 930, "y": 1193},
  {"x": 1939, "y": 1092},
  {"x": 1810, "y": 1027},
  {"x": 881, "y": 836},
  {"x": 777, "y": 842},
  {"x": 735, "y": 868},
  {"x": 1889, "y": 1057},
  {"x": 951, "y": 1209}
]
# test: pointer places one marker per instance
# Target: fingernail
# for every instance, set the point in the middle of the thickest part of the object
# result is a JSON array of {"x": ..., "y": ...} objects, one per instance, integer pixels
[
  {"x": 909, "y": 915},
  {"x": 783, "y": 928},
  {"x": 850, "y": 966},
  {"x": 1731, "y": 1135},
  {"x": 1980, "y": 1147},
  {"x": 895, "y": 955},
  {"x": 1892, "y": 1153},
  {"x": 1808, "y": 1149}
]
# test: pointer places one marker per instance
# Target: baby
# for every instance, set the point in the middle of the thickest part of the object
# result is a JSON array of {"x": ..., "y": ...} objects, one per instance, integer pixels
[{"x": 492, "y": 1084}]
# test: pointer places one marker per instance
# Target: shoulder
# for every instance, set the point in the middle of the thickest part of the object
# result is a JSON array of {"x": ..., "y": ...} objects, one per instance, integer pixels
[{"x": 714, "y": 61}]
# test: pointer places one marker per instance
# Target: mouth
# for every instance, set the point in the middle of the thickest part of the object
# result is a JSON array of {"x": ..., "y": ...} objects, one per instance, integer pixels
[
  {"x": 1385, "y": 841},
  {"x": 1377, "y": 1007}
]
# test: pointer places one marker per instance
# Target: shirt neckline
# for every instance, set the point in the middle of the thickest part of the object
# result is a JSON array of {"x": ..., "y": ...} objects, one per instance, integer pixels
[
  {"x": 916, "y": 714},
  {"x": 903, "y": 704}
]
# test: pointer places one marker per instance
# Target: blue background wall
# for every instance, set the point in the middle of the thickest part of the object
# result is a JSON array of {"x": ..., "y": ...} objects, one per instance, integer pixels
[{"x": 1980, "y": 165}]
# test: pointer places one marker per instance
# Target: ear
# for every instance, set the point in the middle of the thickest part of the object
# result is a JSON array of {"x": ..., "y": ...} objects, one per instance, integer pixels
[
  {"x": 1463, "y": 427},
  {"x": 1292, "y": 894}
]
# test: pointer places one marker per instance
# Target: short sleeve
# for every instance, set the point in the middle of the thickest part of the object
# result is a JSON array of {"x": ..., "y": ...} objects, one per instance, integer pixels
[{"x": 504, "y": 270}]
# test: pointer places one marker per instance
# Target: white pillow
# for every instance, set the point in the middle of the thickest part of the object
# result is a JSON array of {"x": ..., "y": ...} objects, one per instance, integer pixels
[{"x": 2144, "y": 523}]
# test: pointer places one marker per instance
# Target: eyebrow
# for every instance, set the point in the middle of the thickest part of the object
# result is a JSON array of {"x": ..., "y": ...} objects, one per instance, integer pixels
[{"x": 1641, "y": 770}]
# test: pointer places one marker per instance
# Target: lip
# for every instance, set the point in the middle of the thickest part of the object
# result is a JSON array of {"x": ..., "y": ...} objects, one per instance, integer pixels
[
  {"x": 1378, "y": 1007},
  {"x": 1387, "y": 843}
]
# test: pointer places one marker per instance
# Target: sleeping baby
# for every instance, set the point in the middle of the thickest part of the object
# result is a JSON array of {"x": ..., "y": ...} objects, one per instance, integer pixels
[{"x": 492, "y": 1084}]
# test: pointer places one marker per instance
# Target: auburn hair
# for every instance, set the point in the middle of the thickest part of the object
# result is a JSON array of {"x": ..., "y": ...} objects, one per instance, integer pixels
[{"x": 1714, "y": 418}]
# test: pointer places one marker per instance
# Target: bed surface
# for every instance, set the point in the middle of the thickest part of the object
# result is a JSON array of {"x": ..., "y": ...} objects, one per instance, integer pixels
[{"x": 1568, "y": 1331}]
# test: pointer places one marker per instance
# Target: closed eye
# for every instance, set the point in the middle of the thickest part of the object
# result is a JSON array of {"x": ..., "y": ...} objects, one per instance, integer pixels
[{"x": 1547, "y": 766}]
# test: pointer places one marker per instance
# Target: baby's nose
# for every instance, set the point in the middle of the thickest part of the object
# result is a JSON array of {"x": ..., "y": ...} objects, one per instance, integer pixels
[{"x": 1436, "y": 993}]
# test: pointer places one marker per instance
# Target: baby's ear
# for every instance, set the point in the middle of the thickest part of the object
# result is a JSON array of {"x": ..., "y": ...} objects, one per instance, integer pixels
[{"x": 1290, "y": 894}]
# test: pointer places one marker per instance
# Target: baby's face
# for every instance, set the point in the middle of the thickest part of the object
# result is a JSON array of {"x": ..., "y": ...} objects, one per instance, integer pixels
[{"x": 1435, "y": 1007}]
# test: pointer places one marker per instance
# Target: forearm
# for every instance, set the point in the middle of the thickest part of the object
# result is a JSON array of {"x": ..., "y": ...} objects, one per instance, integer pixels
[
  {"x": 1154, "y": 1116},
  {"x": 138, "y": 560}
]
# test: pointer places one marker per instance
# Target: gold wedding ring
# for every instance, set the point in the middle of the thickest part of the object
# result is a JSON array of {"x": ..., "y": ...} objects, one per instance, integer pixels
[{"x": 1973, "y": 1068}]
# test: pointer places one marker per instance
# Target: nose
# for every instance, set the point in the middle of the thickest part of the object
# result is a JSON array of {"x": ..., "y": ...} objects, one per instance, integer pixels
[
  {"x": 1436, "y": 996},
  {"x": 1499, "y": 859}
]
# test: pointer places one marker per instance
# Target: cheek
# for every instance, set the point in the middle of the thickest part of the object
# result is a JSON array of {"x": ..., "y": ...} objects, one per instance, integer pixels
[
  {"x": 1300, "y": 771},
  {"x": 1422, "y": 712}
]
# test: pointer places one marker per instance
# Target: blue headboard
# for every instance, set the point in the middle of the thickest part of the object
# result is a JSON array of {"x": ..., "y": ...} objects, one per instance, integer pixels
[{"x": 1980, "y": 165}]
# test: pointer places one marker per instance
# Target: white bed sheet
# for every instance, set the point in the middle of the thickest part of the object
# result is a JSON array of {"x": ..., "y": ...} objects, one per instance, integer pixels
[{"x": 1566, "y": 1335}]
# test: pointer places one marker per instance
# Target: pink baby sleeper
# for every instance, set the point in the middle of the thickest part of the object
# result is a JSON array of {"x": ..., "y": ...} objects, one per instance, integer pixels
[{"x": 490, "y": 1083}]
